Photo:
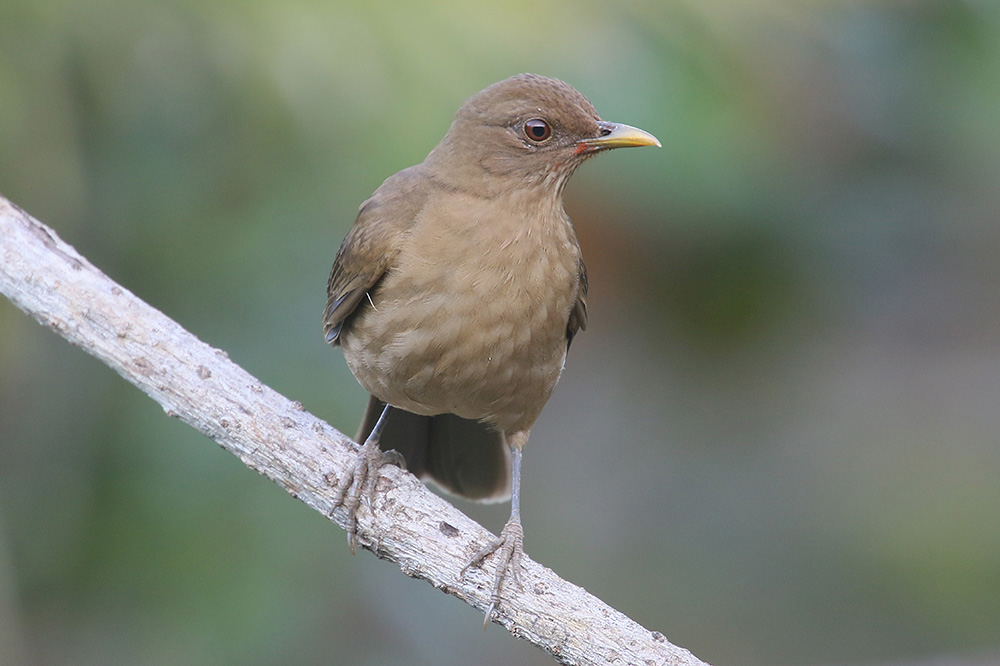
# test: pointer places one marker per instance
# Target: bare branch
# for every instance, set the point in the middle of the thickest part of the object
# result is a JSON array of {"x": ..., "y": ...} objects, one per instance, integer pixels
[{"x": 427, "y": 537}]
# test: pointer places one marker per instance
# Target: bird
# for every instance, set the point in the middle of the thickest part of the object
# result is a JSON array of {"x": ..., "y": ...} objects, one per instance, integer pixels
[{"x": 457, "y": 293}]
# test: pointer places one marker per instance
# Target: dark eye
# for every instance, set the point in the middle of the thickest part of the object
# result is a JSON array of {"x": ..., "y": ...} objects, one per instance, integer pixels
[{"x": 537, "y": 130}]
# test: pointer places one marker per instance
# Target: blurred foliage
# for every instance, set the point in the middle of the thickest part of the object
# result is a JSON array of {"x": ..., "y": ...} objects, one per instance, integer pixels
[{"x": 777, "y": 442}]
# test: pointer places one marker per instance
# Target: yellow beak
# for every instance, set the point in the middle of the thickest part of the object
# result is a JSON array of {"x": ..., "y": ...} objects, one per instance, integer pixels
[{"x": 617, "y": 135}]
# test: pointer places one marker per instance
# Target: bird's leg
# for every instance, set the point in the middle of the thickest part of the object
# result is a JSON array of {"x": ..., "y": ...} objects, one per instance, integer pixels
[
  {"x": 358, "y": 484},
  {"x": 510, "y": 545}
]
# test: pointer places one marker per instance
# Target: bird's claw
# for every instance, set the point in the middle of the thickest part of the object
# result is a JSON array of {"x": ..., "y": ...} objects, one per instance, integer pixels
[
  {"x": 358, "y": 484},
  {"x": 509, "y": 548}
]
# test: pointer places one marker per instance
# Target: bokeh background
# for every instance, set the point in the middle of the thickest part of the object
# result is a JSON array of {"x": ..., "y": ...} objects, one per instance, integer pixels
[{"x": 777, "y": 442}]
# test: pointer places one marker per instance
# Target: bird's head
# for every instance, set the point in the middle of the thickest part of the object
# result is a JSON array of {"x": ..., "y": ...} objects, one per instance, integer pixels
[{"x": 527, "y": 130}]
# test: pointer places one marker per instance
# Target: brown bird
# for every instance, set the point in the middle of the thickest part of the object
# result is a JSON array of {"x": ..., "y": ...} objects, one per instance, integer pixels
[{"x": 457, "y": 292}]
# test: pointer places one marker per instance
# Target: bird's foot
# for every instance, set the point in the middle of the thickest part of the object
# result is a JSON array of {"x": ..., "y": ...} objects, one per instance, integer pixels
[
  {"x": 509, "y": 548},
  {"x": 358, "y": 484}
]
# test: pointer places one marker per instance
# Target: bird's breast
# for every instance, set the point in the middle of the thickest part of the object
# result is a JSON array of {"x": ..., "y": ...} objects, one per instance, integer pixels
[{"x": 472, "y": 317}]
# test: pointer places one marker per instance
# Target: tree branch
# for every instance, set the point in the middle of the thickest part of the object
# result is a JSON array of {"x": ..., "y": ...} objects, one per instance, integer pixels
[{"x": 407, "y": 524}]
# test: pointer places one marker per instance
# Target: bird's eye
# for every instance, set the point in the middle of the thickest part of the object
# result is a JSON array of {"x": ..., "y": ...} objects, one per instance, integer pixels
[{"x": 537, "y": 130}]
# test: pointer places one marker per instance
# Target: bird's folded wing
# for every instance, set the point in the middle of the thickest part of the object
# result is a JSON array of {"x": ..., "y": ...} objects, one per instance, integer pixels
[
  {"x": 578, "y": 315},
  {"x": 371, "y": 245}
]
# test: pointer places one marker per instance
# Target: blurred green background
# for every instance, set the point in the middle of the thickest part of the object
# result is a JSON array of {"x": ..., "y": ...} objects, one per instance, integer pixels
[{"x": 777, "y": 442}]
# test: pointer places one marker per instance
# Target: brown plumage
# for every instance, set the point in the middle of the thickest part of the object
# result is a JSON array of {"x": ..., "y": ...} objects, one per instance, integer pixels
[{"x": 458, "y": 290}]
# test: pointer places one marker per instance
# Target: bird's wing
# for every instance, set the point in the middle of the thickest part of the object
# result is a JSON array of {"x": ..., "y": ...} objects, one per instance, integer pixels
[
  {"x": 578, "y": 315},
  {"x": 371, "y": 246}
]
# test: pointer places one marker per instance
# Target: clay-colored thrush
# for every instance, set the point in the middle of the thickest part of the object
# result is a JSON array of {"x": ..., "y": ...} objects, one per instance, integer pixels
[{"x": 458, "y": 291}]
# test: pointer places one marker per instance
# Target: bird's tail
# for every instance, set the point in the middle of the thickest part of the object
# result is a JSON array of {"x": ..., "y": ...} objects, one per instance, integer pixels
[{"x": 463, "y": 457}]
